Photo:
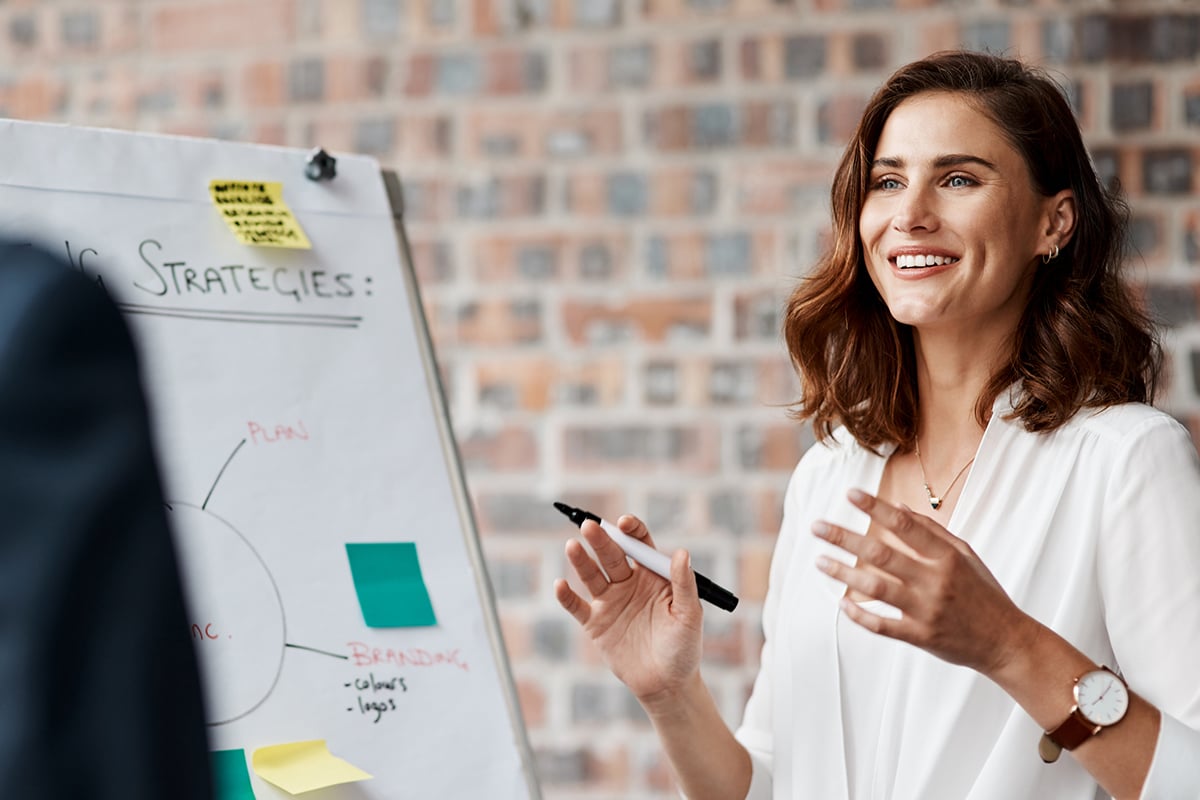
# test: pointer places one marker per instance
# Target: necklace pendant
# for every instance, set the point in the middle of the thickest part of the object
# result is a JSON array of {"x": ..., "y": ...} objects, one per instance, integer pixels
[{"x": 935, "y": 502}]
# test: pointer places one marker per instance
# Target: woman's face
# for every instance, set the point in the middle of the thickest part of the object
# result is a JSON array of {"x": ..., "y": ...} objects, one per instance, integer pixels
[{"x": 951, "y": 225}]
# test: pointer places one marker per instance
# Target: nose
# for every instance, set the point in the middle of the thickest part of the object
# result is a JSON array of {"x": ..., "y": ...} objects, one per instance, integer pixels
[{"x": 915, "y": 210}]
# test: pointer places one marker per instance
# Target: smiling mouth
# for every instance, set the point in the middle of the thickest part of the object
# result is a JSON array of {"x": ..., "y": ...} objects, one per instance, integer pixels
[{"x": 916, "y": 262}]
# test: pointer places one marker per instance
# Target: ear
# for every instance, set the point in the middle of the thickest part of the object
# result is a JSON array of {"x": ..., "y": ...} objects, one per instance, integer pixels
[{"x": 1059, "y": 221}]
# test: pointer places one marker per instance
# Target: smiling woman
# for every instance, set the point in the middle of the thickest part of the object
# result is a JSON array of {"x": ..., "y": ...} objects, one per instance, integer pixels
[{"x": 966, "y": 347}]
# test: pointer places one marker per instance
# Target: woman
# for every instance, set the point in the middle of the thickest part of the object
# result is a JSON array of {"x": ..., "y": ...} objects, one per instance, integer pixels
[{"x": 971, "y": 363}]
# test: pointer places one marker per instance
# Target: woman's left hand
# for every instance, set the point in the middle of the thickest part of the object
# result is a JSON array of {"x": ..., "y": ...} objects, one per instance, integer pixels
[{"x": 951, "y": 605}]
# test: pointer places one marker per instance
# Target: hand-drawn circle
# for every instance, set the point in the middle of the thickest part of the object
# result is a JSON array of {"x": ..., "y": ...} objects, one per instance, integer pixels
[{"x": 237, "y": 623}]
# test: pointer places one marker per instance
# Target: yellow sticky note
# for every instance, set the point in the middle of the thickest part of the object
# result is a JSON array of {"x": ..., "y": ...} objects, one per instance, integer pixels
[
  {"x": 303, "y": 766},
  {"x": 256, "y": 213}
]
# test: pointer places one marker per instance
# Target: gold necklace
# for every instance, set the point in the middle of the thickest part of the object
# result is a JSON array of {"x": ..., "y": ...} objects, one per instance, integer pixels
[{"x": 935, "y": 501}]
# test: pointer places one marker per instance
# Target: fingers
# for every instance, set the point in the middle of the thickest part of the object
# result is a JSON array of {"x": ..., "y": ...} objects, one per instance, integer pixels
[
  {"x": 573, "y": 603},
  {"x": 636, "y": 528},
  {"x": 685, "y": 597},
  {"x": 585, "y": 568},
  {"x": 611, "y": 557},
  {"x": 916, "y": 530},
  {"x": 873, "y": 552},
  {"x": 874, "y": 585},
  {"x": 884, "y": 626}
]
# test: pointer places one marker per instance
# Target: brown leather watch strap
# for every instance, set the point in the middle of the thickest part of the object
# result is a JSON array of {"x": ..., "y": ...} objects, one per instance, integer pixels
[{"x": 1074, "y": 731}]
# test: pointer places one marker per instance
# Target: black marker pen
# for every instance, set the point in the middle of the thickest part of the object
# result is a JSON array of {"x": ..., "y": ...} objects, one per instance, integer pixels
[{"x": 651, "y": 559}]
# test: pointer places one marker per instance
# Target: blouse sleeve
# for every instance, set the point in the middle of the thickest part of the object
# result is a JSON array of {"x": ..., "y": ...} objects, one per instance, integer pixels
[
  {"x": 756, "y": 732},
  {"x": 1149, "y": 570}
]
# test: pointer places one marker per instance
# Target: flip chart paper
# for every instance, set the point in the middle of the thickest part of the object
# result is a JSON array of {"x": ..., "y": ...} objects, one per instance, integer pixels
[
  {"x": 274, "y": 455},
  {"x": 391, "y": 591},
  {"x": 300, "y": 767},
  {"x": 231, "y": 778},
  {"x": 256, "y": 213}
]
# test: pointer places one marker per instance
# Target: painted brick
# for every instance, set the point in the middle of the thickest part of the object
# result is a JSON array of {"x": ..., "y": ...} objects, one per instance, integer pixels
[
  {"x": 869, "y": 51},
  {"x": 837, "y": 118},
  {"x": 771, "y": 447},
  {"x": 532, "y": 699},
  {"x": 757, "y": 315},
  {"x": 432, "y": 260},
  {"x": 1173, "y": 305},
  {"x": 497, "y": 322},
  {"x": 597, "y": 13},
  {"x": 552, "y": 638},
  {"x": 758, "y": 123},
  {"x": 660, "y": 383},
  {"x": 803, "y": 56},
  {"x": 687, "y": 448},
  {"x": 423, "y": 137},
  {"x": 1146, "y": 236},
  {"x": 1191, "y": 238},
  {"x": 561, "y": 766},
  {"x": 702, "y": 62},
  {"x": 602, "y": 702},
  {"x": 1132, "y": 106},
  {"x": 504, "y": 258},
  {"x": 1091, "y": 39},
  {"x": 629, "y": 66},
  {"x": 23, "y": 30},
  {"x": 1168, "y": 172},
  {"x": 459, "y": 74},
  {"x": 375, "y": 137},
  {"x": 502, "y": 197},
  {"x": 992, "y": 35},
  {"x": 775, "y": 58},
  {"x": 515, "y": 577},
  {"x": 1108, "y": 166},
  {"x": 661, "y": 319},
  {"x": 729, "y": 254},
  {"x": 507, "y": 450},
  {"x": 525, "y": 514},
  {"x": 264, "y": 84},
  {"x": 32, "y": 98},
  {"x": 522, "y": 134},
  {"x": 306, "y": 80},
  {"x": 1057, "y": 39},
  {"x": 188, "y": 26},
  {"x": 729, "y": 512},
  {"x": 381, "y": 19},
  {"x": 754, "y": 569},
  {"x": 80, "y": 29},
  {"x": 1156, "y": 38},
  {"x": 784, "y": 186}
]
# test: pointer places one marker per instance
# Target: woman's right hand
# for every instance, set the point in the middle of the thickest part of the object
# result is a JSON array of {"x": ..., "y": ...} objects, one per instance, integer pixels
[{"x": 647, "y": 629}]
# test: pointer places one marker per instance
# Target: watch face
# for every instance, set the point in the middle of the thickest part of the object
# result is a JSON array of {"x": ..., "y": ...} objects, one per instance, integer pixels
[{"x": 1102, "y": 697}]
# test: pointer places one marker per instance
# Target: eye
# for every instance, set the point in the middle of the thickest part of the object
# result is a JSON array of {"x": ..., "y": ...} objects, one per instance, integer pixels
[
  {"x": 887, "y": 184},
  {"x": 959, "y": 181}
]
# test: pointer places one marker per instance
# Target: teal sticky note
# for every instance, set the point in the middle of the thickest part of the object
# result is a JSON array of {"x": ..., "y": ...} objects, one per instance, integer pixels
[
  {"x": 231, "y": 777},
  {"x": 391, "y": 591}
]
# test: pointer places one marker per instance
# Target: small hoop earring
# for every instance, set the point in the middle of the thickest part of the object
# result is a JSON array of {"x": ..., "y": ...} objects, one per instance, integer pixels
[{"x": 1053, "y": 254}]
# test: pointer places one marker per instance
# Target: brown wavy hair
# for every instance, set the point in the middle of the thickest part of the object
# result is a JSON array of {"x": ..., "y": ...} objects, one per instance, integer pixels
[{"x": 1083, "y": 339}]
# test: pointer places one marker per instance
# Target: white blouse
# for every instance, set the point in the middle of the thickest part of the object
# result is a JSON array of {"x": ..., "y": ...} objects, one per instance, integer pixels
[{"x": 1093, "y": 529}]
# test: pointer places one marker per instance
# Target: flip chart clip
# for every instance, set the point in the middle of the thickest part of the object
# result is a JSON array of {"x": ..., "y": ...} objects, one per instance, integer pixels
[{"x": 320, "y": 166}]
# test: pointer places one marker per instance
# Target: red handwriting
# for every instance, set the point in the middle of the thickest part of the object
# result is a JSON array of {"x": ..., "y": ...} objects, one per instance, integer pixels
[
  {"x": 364, "y": 656},
  {"x": 281, "y": 433},
  {"x": 203, "y": 632}
]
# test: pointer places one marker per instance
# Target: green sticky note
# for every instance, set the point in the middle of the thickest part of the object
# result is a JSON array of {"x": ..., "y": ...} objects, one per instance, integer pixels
[
  {"x": 231, "y": 778},
  {"x": 391, "y": 591}
]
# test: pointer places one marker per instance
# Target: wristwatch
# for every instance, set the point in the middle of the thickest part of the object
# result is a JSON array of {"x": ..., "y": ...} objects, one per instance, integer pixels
[{"x": 1101, "y": 700}]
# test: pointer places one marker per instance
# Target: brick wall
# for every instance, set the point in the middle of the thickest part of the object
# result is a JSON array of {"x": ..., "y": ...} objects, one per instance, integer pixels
[{"x": 608, "y": 201}]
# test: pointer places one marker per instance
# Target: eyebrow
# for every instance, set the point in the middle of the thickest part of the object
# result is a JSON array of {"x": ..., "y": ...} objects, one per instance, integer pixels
[{"x": 941, "y": 162}]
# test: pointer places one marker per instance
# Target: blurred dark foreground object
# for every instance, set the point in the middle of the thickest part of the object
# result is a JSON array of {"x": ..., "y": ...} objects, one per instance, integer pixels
[{"x": 99, "y": 688}]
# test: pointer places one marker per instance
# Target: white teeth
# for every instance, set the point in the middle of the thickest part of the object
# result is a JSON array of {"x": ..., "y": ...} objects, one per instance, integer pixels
[{"x": 908, "y": 262}]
